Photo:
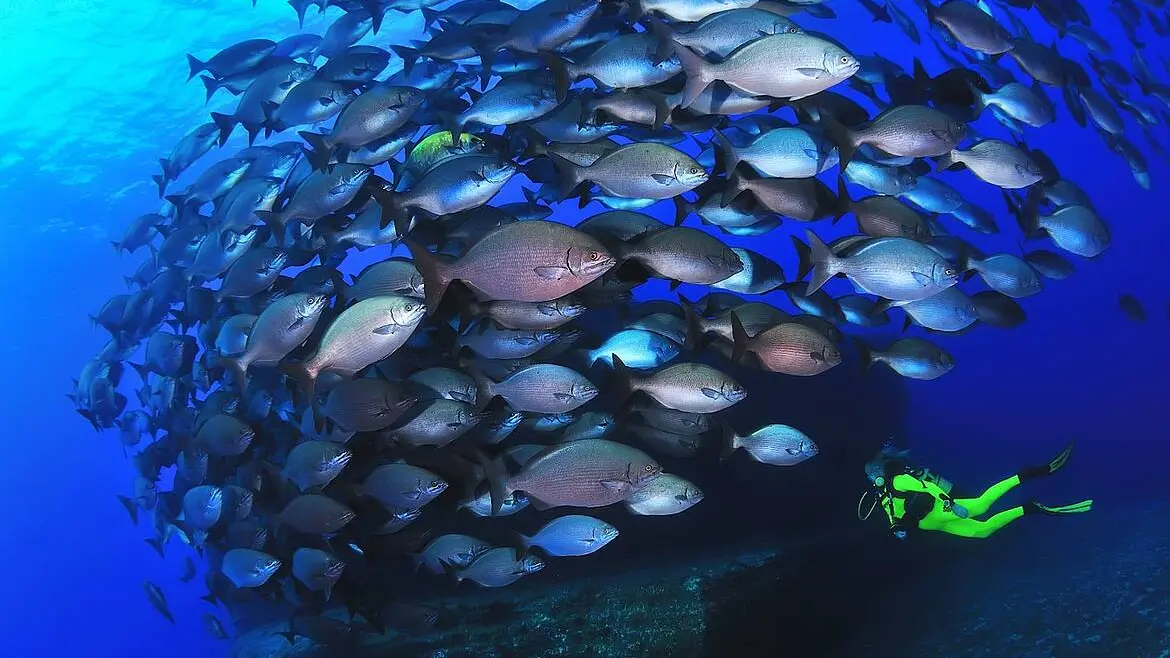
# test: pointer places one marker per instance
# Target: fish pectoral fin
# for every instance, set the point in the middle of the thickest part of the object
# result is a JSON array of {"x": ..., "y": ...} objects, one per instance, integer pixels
[
  {"x": 552, "y": 272},
  {"x": 711, "y": 393},
  {"x": 663, "y": 179},
  {"x": 454, "y": 426},
  {"x": 615, "y": 485},
  {"x": 296, "y": 324},
  {"x": 922, "y": 279},
  {"x": 386, "y": 329},
  {"x": 812, "y": 73},
  {"x": 563, "y": 397}
]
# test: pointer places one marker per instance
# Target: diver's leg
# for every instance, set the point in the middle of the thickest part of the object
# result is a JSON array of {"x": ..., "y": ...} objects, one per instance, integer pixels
[
  {"x": 979, "y": 506},
  {"x": 981, "y": 529}
]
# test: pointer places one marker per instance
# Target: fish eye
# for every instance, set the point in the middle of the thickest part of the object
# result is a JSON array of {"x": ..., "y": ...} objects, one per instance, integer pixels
[
  {"x": 649, "y": 468},
  {"x": 950, "y": 271},
  {"x": 844, "y": 59},
  {"x": 595, "y": 255},
  {"x": 408, "y": 308}
]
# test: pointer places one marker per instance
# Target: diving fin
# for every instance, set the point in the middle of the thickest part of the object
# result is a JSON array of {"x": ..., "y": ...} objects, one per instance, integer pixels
[
  {"x": 1057, "y": 463},
  {"x": 1034, "y": 507}
]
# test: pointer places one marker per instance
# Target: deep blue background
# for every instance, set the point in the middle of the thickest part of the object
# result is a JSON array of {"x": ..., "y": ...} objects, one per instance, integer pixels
[{"x": 97, "y": 96}]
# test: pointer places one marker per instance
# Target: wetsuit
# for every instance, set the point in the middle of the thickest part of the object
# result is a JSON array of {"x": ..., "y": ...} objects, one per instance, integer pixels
[{"x": 907, "y": 499}]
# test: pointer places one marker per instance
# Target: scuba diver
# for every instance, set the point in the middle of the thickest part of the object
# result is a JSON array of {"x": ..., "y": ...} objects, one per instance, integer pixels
[{"x": 916, "y": 498}]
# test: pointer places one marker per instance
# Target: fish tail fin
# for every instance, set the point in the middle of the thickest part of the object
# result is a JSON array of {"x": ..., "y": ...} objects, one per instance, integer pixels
[
  {"x": 682, "y": 209},
  {"x": 131, "y": 508},
  {"x": 844, "y": 138},
  {"x": 844, "y": 202},
  {"x": 434, "y": 273},
  {"x": 562, "y": 80},
  {"x": 726, "y": 155},
  {"x": 823, "y": 263},
  {"x": 305, "y": 377},
  {"x": 497, "y": 477},
  {"x": 730, "y": 440},
  {"x": 409, "y": 57},
  {"x": 522, "y": 542},
  {"x": 696, "y": 337},
  {"x": 484, "y": 388},
  {"x": 624, "y": 376},
  {"x": 275, "y": 223},
  {"x": 571, "y": 173},
  {"x": 736, "y": 184},
  {"x": 948, "y": 161},
  {"x": 318, "y": 150},
  {"x": 211, "y": 85},
  {"x": 866, "y": 354},
  {"x": 226, "y": 123},
  {"x": 698, "y": 71},
  {"x": 194, "y": 65},
  {"x": 157, "y": 545},
  {"x": 741, "y": 342},
  {"x": 1028, "y": 216},
  {"x": 161, "y": 181},
  {"x": 803, "y": 258},
  {"x": 663, "y": 32}
]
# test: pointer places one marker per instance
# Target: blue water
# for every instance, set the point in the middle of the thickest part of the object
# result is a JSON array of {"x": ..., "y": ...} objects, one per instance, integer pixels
[{"x": 96, "y": 93}]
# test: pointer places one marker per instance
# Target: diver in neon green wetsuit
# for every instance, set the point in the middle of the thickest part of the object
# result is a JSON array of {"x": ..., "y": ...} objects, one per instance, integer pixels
[{"x": 916, "y": 498}]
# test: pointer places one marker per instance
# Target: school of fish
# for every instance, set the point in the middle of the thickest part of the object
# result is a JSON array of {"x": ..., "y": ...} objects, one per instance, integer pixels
[{"x": 315, "y": 416}]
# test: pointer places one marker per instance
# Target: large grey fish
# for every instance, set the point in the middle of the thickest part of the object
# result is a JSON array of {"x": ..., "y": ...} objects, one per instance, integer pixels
[
  {"x": 801, "y": 199},
  {"x": 671, "y": 420},
  {"x": 1007, "y": 274},
  {"x": 996, "y": 162},
  {"x": 315, "y": 463},
  {"x": 544, "y": 388},
  {"x": 791, "y": 348},
  {"x": 450, "y": 550},
  {"x": 683, "y": 254},
  {"x": 280, "y": 329},
  {"x": 785, "y": 65},
  {"x": 157, "y": 599},
  {"x": 249, "y": 568},
  {"x": 233, "y": 59},
  {"x": 640, "y": 170},
  {"x": 254, "y": 272},
  {"x": 680, "y": 446},
  {"x": 403, "y": 486},
  {"x": 316, "y": 514},
  {"x": 1074, "y": 228},
  {"x": 949, "y": 311},
  {"x": 914, "y": 358},
  {"x": 499, "y": 567},
  {"x": 213, "y": 183},
  {"x": 536, "y": 261},
  {"x": 444, "y": 383},
  {"x": 492, "y": 342},
  {"x": 883, "y": 216},
  {"x": 591, "y": 425},
  {"x": 893, "y": 268},
  {"x": 317, "y": 569},
  {"x": 186, "y": 151},
  {"x": 905, "y": 130},
  {"x": 357, "y": 66},
  {"x": 722, "y": 33},
  {"x": 629, "y": 61},
  {"x": 369, "y": 117},
  {"x": 785, "y": 152},
  {"x": 588, "y": 473},
  {"x": 202, "y": 506},
  {"x": 237, "y": 210},
  {"x": 394, "y": 276},
  {"x": 664, "y": 495},
  {"x": 269, "y": 88},
  {"x": 363, "y": 334},
  {"x": 225, "y": 436},
  {"x": 514, "y": 99},
  {"x": 759, "y": 275},
  {"x": 452, "y": 186},
  {"x": 309, "y": 102},
  {"x": 778, "y": 445},
  {"x": 546, "y": 25},
  {"x": 528, "y": 315},
  {"x": 437, "y": 424},
  {"x": 367, "y": 405},
  {"x": 970, "y": 26},
  {"x": 690, "y": 11},
  {"x": 322, "y": 193},
  {"x": 219, "y": 251},
  {"x": 1026, "y": 104},
  {"x": 691, "y": 387},
  {"x": 571, "y": 535}
]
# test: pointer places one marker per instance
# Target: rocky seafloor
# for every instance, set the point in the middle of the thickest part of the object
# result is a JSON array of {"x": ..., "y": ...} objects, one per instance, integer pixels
[{"x": 1094, "y": 585}]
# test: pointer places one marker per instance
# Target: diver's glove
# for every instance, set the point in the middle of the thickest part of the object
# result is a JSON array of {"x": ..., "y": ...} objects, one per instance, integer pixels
[
  {"x": 899, "y": 530},
  {"x": 1057, "y": 463}
]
